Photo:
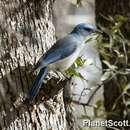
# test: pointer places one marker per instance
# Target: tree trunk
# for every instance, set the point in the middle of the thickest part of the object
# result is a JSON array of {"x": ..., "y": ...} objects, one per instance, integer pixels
[
  {"x": 111, "y": 88},
  {"x": 26, "y": 31}
]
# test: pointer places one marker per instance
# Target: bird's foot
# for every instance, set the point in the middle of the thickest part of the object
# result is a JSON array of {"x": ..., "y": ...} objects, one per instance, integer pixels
[{"x": 60, "y": 75}]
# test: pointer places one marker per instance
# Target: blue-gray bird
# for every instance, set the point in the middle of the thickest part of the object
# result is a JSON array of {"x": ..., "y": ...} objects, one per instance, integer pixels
[{"x": 61, "y": 55}]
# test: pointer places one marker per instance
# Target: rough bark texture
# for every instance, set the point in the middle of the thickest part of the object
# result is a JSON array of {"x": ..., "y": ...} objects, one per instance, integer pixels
[{"x": 26, "y": 31}]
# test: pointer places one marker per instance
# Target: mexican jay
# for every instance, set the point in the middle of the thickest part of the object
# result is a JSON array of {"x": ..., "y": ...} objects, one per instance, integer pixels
[{"x": 60, "y": 56}]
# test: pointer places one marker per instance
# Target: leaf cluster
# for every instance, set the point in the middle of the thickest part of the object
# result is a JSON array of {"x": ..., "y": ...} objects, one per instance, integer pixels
[{"x": 114, "y": 49}]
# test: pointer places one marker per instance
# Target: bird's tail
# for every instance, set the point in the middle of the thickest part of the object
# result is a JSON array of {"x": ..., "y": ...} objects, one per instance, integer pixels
[{"x": 36, "y": 85}]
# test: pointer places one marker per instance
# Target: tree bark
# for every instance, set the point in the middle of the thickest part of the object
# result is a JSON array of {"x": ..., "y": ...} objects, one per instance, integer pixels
[{"x": 26, "y": 31}]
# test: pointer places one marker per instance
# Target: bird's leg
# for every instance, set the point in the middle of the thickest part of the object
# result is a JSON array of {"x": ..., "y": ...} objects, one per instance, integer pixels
[{"x": 61, "y": 76}]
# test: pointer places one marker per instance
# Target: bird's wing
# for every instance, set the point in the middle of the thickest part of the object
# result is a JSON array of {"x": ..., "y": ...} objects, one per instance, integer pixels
[{"x": 58, "y": 51}]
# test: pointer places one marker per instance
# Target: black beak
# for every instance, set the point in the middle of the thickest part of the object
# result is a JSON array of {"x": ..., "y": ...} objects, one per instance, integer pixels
[{"x": 98, "y": 31}]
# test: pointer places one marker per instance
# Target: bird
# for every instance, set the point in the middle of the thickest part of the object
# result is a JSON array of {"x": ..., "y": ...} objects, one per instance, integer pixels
[{"x": 60, "y": 56}]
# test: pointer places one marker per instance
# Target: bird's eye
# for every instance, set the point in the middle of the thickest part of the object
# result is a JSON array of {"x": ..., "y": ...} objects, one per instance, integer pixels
[{"x": 88, "y": 29}]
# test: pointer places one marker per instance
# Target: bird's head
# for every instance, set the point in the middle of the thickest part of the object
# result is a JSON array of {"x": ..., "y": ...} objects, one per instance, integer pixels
[{"x": 84, "y": 29}]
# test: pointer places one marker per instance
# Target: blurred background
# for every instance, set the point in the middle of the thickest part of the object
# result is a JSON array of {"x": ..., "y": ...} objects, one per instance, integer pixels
[{"x": 67, "y": 15}]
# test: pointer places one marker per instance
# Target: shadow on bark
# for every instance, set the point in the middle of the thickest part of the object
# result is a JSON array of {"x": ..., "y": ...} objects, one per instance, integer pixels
[{"x": 14, "y": 87}]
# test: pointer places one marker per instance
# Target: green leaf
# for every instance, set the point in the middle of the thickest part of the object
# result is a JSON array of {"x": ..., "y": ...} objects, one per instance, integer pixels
[
  {"x": 88, "y": 39},
  {"x": 73, "y": 72},
  {"x": 106, "y": 76},
  {"x": 120, "y": 18},
  {"x": 99, "y": 104},
  {"x": 80, "y": 62}
]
